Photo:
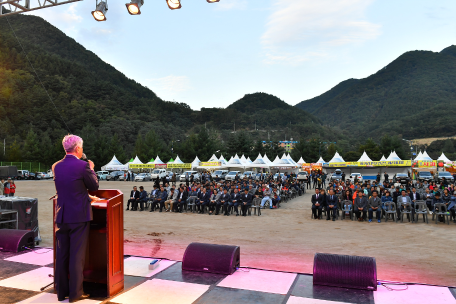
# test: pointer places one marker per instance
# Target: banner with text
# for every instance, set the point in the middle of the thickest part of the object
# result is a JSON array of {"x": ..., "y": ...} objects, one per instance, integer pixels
[
  {"x": 179, "y": 166},
  {"x": 210, "y": 164},
  {"x": 392, "y": 163}
]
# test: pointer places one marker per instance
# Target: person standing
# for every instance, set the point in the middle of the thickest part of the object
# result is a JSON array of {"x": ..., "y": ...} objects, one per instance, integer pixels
[
  {"x": 378, "y": 177},
  {"x": 12, "y": 188},
  {"x": 73, "y": 213}
]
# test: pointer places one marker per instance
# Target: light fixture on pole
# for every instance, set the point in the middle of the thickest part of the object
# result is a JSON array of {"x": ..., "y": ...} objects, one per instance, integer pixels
[
  {"x": 100, "y": 12},
  {"x": 213, "y": 1},
  {"x": 174, "y": 4},
  {"x": 134, "y": 7}
]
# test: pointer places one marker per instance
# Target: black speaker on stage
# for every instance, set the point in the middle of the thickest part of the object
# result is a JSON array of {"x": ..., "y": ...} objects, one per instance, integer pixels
[
  {"x": 15, "y": 240},
  {"x": 211, "y": 258},
  {"x": 345, "y": 271}
]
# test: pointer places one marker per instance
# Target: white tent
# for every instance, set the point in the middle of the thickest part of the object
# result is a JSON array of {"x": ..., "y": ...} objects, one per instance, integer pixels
[
  {"x": 383, "y": 158},
  {"x": 259, "y": 162},
  {"x": 301, "y": 161},
  {"x": 234, "y": 163},
  {"x": 213, "y": 158},
  {"x": 444, "y": 158},
  {"x": 321, "y": 161},
  {"x": 426, "y": 157},
  {"x": 136, "y": 161},
  {"x": 393, "y": 157},
  {"x": 222, "y": 158},
  {"x": 178, "y": 161},
  {"x": 196, "y": 162},
  {"x": 337, "y": 159},
  {"x": 158, "y": 161},
  {"x": 419, "y": 156},
  {"x": 364, "y": 158},
  {"x": 282, "y": 163},
  {"x": 114, "y": 164},
  {"x": 266, "y": 159},
  {"x": 249, "y": 160},
  {"x": 292, "y": 160}
]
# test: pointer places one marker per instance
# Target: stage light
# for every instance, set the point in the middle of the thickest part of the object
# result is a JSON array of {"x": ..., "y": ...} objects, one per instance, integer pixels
[
  {"x": 134, "y": 7},
  {"x": 213, "y": 1},
  {"x": 100, "y": 12},
  {"x": 174, "y": 4}
]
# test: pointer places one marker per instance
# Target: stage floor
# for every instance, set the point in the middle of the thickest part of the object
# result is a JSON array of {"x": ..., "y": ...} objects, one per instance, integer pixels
[{"x": 23, "y": 274}]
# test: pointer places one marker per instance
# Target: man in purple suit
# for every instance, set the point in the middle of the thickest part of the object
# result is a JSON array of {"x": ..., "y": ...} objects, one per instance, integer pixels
[{"x": 73, "y": 211}]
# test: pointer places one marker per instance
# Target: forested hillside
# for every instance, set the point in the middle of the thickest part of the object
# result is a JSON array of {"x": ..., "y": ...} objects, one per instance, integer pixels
[
  {"x": 414, "y": 96},
  {"x": 116, "y": 115}
]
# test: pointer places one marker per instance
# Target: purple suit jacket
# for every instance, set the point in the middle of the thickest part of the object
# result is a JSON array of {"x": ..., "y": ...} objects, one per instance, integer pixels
[{"x": 73, "y": 177}]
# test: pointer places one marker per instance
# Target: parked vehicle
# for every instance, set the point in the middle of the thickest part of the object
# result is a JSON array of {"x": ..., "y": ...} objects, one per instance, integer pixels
[
  {"x": 425, "y": 176},
  {"x": 401, "y": 178},
  {"x": 122, "y": 177},
  {"x": 257, "y": 177},
  {"x": 160, "y": 173},
  {"x": 249, "y": 174},
  {"x": 113, "y": 176},
  {"x": 356, "y": 176},
  {"x": 31, "y": 175},
  {"x": 22, "y": 174},
  {"x": 196, "y": 176},
  {"x": 50, "y": 173},
  {"x": 232, "y": 175},
  {"x": 169, "y": 175},
  {"x": 42, "y": 175},
  {"x": 219, "y": 173},
  {"x": 102, "y": 175},
  {"x": 303, "y": 176},
  {"x": 9, "y": 171},
  {"x": 447, "y": 175},
  {"x": 142, "y": 177},
  {"x": 336, "y": 176}
]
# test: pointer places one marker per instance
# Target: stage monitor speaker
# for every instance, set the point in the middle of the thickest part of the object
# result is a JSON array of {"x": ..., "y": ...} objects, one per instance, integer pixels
[
  {"x": 345, "y": 271},
  {"x": 211, "y": 258},
  {"x": 15, "y": 240}
]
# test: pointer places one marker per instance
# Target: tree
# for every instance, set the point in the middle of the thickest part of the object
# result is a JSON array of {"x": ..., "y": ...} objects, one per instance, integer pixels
[
  {"x": 448, "y": 147},
  {"x": 140, "y": 148},
  {"x": 371, "y": 149},
  {"x": 352, "y": 156},
  {"x": 115, "y": 148},
  {"x": 154, "y": 146},
  {"x": 13, "y": 154},
  {"x": 31, "y": 148}
]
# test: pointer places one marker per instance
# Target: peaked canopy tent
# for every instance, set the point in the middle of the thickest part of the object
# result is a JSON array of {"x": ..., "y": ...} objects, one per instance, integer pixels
[
  {"x": 419, "y": 156},
  {"x": 136, "y": 161},
  {"x": 178, "y": 161},
  {"x": 426, "y": 157},
  {"x": 383, "y": 158},
  {"x": 444, "y": 158},
  {"x": 337, "y": 158},
  {"x": 158, "y": 161},
  {"x": 171, "y": 161},
  {"x": 195, "y": 162},
  {"x": 301, "y": 161},
  {"x": 114, "y": 165},
  {"x": 321, "y": 161},
  {"x": 364, "y": 158},
  {"x": 393, "y": 157}
]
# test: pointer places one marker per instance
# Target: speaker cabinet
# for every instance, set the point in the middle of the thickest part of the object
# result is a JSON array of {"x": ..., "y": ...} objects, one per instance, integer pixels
[
  {"x": 211, "y": 258},
  {"x": 16, "y": 240},
  {"x": 345, "y": 271}
]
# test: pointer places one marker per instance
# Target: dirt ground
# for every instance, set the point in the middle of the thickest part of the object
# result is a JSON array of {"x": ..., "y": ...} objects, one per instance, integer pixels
[{"x": 283, "y": 239}]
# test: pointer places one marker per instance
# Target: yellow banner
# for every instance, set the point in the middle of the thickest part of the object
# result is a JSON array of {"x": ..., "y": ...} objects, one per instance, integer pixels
[
  {"x": 424, "y": 164},
  {"x": 141, "y": 166},
  {"x": 394, "y": 163},
  {"x": 211, "y": 164},
  {"x": 179, "y": 166}
]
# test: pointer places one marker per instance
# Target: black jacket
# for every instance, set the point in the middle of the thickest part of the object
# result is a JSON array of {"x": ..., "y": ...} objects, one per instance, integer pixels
[{"x": 319, "y": 200}]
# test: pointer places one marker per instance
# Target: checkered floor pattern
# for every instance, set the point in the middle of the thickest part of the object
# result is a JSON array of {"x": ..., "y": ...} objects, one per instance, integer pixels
[{"x": 22, "y": 275}]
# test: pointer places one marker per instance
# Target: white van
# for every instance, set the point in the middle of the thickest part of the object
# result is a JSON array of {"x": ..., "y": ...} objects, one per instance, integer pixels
[
  {"x": 160, "y": 173},
  {"x": 219, "y": 173}
]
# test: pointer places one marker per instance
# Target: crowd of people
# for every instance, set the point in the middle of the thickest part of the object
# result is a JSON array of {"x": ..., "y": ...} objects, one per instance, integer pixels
[
  {"x": 215, "y": 196},
  {"x": 7, "y": 188},
  {"x": 363, "y": 199}
]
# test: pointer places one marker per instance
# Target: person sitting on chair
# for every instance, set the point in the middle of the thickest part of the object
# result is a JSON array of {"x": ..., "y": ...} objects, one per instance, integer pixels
[
  {"x": 246, "y": 201},
  {"x": 159, "y": 200},
  {"x": 360, "y": 206},
  {"x": 142, "y": 199},
  {"x": 401, "y": 201},
  {"x": 181, "y": 199},
  {"x": 331, "y": 204},
  {"x": 452, "y": 206},
  {"x": 213, "y": 201},
  {"x": 169, "y": 203},
  {"x": 374, "y": 204},
  {"x": 224, "y": 202},
  {"x": 317, "y": 204},
  {"x": 235, "y": 200},
  {"x": 134, "y": 196},
  {"x": 203, "y": 201}
]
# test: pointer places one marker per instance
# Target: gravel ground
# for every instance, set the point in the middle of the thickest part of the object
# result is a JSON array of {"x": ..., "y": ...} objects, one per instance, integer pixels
[{"x": 280, "y": 239}]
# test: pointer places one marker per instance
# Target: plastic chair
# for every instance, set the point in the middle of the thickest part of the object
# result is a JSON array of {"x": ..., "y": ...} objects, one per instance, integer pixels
[
  {"x": 406, "y": 211},
  {"x": 390, "y": 208},
  {"x": 440, "y": 209},
  {"x": 256, "y": 205},
  {"x": 345, "y": 208},
  {"x": 421, "y": 208},
  {"x": 191, "y": 202}
]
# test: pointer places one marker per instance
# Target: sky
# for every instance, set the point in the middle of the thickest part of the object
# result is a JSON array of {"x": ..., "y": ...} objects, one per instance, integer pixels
[{"x": 212, "y": 54}]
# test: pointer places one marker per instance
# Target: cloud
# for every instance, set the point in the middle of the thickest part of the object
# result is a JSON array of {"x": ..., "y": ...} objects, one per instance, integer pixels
[
  {"x": 169, "y": 84},
  {"x": 309, "y": 28},
  {"x": 68, "y": 16},
  {"x": 231, "y": 4}
]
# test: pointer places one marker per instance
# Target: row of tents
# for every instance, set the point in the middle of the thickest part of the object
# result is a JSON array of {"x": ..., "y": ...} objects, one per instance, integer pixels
[{"x": 213, "y": 163}]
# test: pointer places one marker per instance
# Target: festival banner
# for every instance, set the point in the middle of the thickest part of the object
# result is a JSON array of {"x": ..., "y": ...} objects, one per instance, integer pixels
[
  {"x": 391, "y": 163},
  {"x": 341, "y": 165},
  {"x": 179, "y": 166},
  {"x": 142, "y": 166},
  {"x": 210, "y": 164},
  {"x": 424, "y": 164}
]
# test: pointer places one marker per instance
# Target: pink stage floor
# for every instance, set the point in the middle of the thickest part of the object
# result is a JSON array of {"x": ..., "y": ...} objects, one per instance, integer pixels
[{"x": 23, "y": 274}]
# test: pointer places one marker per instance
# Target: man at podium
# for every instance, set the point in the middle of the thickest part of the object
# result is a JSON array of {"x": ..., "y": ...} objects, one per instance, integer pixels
[{"x": 73, "y": 212}]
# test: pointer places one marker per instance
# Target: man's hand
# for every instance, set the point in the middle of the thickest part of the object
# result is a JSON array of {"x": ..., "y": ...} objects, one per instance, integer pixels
[{"x": 91, "y": 164}]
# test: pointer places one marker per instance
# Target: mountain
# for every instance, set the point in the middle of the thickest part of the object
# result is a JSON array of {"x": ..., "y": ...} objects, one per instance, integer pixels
[
  {"x": 114, "y": 114},
  {"x": 414, "y": 96}
]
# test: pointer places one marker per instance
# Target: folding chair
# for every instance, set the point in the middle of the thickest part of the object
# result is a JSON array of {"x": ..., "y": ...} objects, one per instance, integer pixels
[
  {"x": 390, "y": 208},
  {"x": 406, "y": 211},
  {"x": 347, "y": 207},
  {"x": 421, "y": 208},
  {"x": 256, "y": 205},
  {"x": 440, "y": 209}
]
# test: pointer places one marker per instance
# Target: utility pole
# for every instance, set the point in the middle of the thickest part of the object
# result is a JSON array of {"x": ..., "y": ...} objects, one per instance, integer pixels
[{"x": 4, "y": 147}]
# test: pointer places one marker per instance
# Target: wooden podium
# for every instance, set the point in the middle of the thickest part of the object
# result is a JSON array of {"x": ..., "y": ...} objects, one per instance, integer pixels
[{"x": 104, "y": 262}]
